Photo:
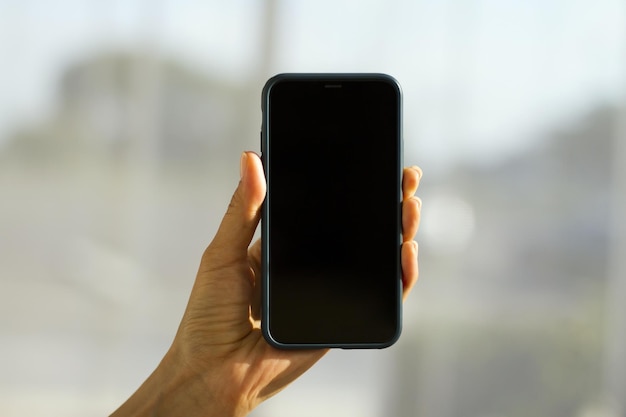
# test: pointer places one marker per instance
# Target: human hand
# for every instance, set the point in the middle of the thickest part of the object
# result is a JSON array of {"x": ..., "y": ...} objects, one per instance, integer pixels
[{"x": 219, "y": 363}]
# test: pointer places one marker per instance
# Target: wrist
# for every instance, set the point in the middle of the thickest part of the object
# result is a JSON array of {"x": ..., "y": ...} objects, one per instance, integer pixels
[{"x": 175, "y": 389}]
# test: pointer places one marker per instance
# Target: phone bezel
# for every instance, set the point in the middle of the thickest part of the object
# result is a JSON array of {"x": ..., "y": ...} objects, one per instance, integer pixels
[{"x": 331, "y": 79}]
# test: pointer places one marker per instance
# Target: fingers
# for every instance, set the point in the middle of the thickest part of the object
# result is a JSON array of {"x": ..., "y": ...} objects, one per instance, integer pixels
[
  {"x": 410, "y": 217},
  {"x": 411, "y": 210},
  {"x": 254, "y": 257},
  {"x": 410, "y": 271},
  {"x": 242, "y": 216},
  {"x": 411, "y": 177},
  {"x": 411, "y": 204}
]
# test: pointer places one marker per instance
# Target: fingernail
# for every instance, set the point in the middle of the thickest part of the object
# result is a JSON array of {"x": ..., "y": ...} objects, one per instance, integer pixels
[
  {"x": 418, "y": 169},
  {"x": 242, "y": 165}
]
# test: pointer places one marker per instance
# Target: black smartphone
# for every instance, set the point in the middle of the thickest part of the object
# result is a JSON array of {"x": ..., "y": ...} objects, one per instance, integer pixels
[{"x": 331, "y": 227}]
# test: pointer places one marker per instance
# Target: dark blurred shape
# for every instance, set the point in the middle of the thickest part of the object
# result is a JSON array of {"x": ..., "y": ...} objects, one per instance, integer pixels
[{"x": 112, "y": 101}]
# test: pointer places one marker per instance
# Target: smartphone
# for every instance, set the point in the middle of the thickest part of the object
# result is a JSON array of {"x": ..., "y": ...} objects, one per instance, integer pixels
[{"x": 331, "y": 148}]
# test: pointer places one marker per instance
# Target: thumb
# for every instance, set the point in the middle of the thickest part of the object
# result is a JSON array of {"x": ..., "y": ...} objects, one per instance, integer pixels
[{"x": 237, "y": 228}]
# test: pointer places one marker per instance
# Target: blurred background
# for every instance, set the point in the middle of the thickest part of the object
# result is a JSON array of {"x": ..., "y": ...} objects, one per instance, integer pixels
[{"x": 121, "y": 126}]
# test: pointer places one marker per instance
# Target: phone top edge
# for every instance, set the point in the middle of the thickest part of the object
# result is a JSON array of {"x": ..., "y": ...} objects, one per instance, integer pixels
[
  {"x": 328, "y": 77},
  {"x": 312, "y": 75}
]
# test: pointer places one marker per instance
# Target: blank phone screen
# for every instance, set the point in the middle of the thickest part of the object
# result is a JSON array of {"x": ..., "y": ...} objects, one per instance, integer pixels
[{"x": 332, "y": 215}]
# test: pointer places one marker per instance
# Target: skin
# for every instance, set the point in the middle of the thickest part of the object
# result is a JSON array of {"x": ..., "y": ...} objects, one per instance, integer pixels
[{"x": 219, "y": 364}]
